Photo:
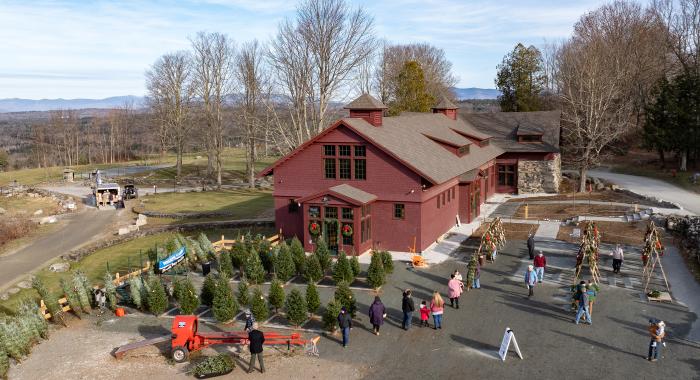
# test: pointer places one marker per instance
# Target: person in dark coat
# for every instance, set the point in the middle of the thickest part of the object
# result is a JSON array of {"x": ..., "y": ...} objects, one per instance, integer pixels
[
  {"x": 408, "y": 307},
  {"x": 377, "y": 312},
  {"x": 255, "y": 343},
  {"x": 345, "y": 323},
  {"x": 531, "y": 245}
]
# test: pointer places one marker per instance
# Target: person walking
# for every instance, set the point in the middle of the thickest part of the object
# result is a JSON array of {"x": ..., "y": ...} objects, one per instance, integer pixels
[
  {"x": 476, "y": 283},
  {"x": 377, "y": 313},
  {"x": 583, "y": 306},
  {"x": 454, "y": 288},
  {"x": 345, "y": 324},
  {"x": 530, "y": 280},
  {"x": 424, "y": 314},
  {"x": 458, "y": 277},
  {"x": 407, "y": 306},
  {"x": 657, "y": 331},
  {"x": 531, "y": 245},
  {"x": 249, "y": 320},
  {"x": 618, "y": 257},
  {"x": 437, "y": 306},
  {"x": 255, "y": 343},
  {"x": 540, "y": 264},
  {"x": 592, "y": 290}
]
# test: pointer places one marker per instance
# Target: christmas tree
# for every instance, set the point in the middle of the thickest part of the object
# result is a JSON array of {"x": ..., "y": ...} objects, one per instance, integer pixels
[
  {"x": 4, "y": 362},
  {"x": 71, "y": 297},
  {"x": 471, "y": 270},
  {"x": 254, "y": 270},
  {"x": 239, "y": 254},
  {"x": 82, "y": 294},
  {"x": 295, "y": 307},
  {"x": 387, "y": 261},
  {"x": 276, "y": 295},
  {"x": 186, "y": 296},
  {"x": 313, "y": 300},
  {"x": 342, "y": 270},
  {"x": 205, "y": 245},
  {"x": 50, "y": 301},
  {"x": 312, "y": 269},
  {"x": 208, "y": 289},
  {"x": 135, "y": 291},
  {"x": 29, "y": 311},
  {"x": 355, "y": 265},
  {"x": 375, "y": 273},
  {"x": 298, "y": 255},
  {"x": 110, "y": 291},
  {"x": 266, "y": 256},
  {"x": 243, "y": 294},
  {"x": 258, "y": 305},
  {"x": 225, "y": 266},
  {"x": 344, "y": 295},
  {"x": 330, "y": 316},
  {"x": 323, "y": 254},
  {"x": 284, "y": 263},
  {"x": 224, "y": 305},
  {"x": 157, "y": 298}
]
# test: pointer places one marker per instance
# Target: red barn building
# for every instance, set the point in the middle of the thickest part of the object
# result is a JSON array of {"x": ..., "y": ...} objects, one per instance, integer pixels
[{"x": 375, "y": 182}]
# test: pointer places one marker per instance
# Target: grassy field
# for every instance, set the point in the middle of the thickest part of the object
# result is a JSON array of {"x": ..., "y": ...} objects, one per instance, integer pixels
[
  {"x": 243, "y": 204},
  {"x": 27, "y": 206}
]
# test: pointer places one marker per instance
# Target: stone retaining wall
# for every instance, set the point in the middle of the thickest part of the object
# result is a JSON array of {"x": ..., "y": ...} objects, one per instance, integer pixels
[
  {"x": 539, "y": 176},
  {"x": 183, "y": 215}
]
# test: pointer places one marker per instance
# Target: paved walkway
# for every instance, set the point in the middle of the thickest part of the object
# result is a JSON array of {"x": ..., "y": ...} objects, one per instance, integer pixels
[
  {"x": 650, "y": 187},
  {"x": 547, "y": 231},
  {"x": 684, "y": 288}
]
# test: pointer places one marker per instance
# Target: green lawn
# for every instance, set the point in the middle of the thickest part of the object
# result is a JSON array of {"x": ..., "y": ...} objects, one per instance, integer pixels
[
  {"x": 243, "y": 204},
  {"x": 27, "y": 205}
]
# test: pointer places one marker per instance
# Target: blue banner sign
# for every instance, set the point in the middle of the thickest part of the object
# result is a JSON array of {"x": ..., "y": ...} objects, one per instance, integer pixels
[{"x": 172, "y": 260}]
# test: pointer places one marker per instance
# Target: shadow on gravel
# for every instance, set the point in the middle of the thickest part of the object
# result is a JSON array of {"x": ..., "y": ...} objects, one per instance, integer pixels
[{"x": 599, "y": 344}]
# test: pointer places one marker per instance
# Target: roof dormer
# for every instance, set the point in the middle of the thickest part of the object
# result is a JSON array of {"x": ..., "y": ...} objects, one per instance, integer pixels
[{"x": 368, "y": 108}]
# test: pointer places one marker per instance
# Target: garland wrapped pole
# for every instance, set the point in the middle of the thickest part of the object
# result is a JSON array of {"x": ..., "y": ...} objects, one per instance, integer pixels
[
  {"x": 651, "y": 256},
  {"x": 493, "y": 238},
  {"x": 588, "y": 253}
]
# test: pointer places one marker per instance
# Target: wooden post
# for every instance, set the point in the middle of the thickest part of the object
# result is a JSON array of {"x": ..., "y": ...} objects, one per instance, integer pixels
[{"x": 526, "y": 210}]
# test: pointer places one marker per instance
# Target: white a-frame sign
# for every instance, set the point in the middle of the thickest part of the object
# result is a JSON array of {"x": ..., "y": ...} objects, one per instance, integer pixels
[{"x": 505, "y": 344}]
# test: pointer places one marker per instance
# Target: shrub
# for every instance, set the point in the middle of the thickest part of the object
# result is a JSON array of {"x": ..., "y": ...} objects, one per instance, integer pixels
[
  {"x": 225, "y": 306},
  {"x": 313, "y": 300},
  {"x": 284, "y": 263},
  {"x": 214, "y": 365},
  {"x": 330, "y": 316},
  {"x": 254, "y": 270},
  {"x": 296, "y": 307},
  {"x": 346, "y": 298},
  {"x": 31, "y": 313},
  {"x": 342, "y": 271},
  {"x": 15, "y": 228},
  {"x": 276, "y": 295},
  {"x": 243, "y": 294},
  {"x": 186, "y": 296},
  {"x": 258, "y": 305},
  {"x": 4, "y": 362},
  {"x": 312, "y": 269},
  {"x": 298, "y": 255},
  {"x": 71, "y": 296},
  {"x": 387, "y": 261},
  {"x": 15, "y": 343},
  {"x": 225, "y": 266},
  {"x": 110, "y": 291},
  {"x": 355, "y": 266},
  {"x": 208, "y": 288},
  {"x": 135, "y": 291},
  {"x": 157, "y": 299},
  {"x": 50, "y": 301},
  {"x": 375, "y": 273},
  {"x": 323, "y": 254}
]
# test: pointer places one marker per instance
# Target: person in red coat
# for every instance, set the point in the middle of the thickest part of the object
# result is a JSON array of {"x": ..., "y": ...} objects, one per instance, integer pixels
[{"x": 540, "y": 264}]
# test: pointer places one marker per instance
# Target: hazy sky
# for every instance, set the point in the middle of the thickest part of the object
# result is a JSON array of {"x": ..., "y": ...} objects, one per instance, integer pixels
[{"x": 96, "y": 49}]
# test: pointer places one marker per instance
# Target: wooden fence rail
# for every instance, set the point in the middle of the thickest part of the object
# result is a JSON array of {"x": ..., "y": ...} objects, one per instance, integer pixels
[{"x": 228, "y": 243}]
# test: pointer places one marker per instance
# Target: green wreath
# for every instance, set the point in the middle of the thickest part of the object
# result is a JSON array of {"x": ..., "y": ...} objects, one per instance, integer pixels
[
  {"x": 314, "y": 228},
  {"x": 346, "y": 230}
]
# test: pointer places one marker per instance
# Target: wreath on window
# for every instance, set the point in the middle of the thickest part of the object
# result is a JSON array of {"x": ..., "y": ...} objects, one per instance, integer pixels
[
  {"x": 314, "y": 228},
  {"x": 346, "y": 230}
]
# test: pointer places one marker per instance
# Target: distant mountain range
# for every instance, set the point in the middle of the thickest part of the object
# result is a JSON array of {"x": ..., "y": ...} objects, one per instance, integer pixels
[
  {"x": 27, "y": 105},
  {"x": 475, "y": 93}
]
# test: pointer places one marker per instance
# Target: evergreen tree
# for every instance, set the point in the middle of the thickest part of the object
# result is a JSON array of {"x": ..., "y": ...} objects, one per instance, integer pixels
[
  {"x": 346, "y": 298},
  {"x": 243, "y": 294},
  {"x": 157, "y": 298},
  {"x": 254, "y": 270},
  {"x": 471, "y": 269},
  {"x": 410, "y": 91},
  {"x": 4, "y": 362},
  {"x": 225, "y": 266},
  {"x": 355, "y": 265},
  {"x": 342, "y": 270},
  {"x": 375, "y": 274},
  {"x": 186, "y": 296},
  {"x": 276, "y": 295},
  {"x": 296, "y": 307},
  {"x": 313, "y": 300},
  {"x": 521, "y": 80},
  {"x": 29, "y": 311},
  {"x": 330, "y": 316},
  {"x": 387, "y": 261},
  {"x": 135, "y": 291},
  {"x": 197, "y": 250},
  {"x": 205, "y": 244},
  {"x": 50, "y": 301},
  {"x": 110, "y": 291},
  {"x": 258, "y": 306},
  {"x": 266, "y": 255},
  {"x": 208, "y": 289},
  {"x": 323, "y": 254},
  {"x": 312, "y": 269},
  {"x": 71, "y": 296},
  {"x": 239, "y": 254},
  {"x": 224, "y": 305},
  {"x": 12, "y": 339},
  {"x": 81, "y": 282},
  {"x": 298, "y": 255},
  {"x": 284, "y": 263}
]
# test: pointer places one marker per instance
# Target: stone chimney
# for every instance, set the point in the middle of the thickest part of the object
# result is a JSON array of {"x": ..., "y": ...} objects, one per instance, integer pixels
[
  {"x": 447, "y": 108},
  {"x": 368, "y": 108}
]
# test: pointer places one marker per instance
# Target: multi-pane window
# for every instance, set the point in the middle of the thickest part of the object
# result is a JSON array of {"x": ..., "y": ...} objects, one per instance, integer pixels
[
  {"x": 314, "y": 211},
  {"x": 331, "y": 213},
  {"x": 329, "y": 167},
  {"x": 344, "y": 168},
  {"x": 506, "y": 175},
  {"x": 360, "y": 169},
  {"x": 399, "y": 211},
  {"x": 344, "y": 150},
  {"x": 347, "y": 213},
  {"x": 329, "y": 150},
  {"x": 360, "y": 151}
]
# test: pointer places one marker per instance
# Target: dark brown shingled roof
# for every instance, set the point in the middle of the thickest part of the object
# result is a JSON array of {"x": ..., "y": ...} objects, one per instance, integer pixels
[
  {"x": 353, "y": 193},
  {"x": 365, "y": 102},
  {"x": 445, "y": 104},
  {"x": 506, "y": 126}
]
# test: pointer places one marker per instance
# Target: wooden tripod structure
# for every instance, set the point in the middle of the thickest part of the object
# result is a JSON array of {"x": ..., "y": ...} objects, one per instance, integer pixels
[
  {"x": 651, "y": 256},
  {"x": 588, "y": 253},
  {"x": 493, "y": 237}
]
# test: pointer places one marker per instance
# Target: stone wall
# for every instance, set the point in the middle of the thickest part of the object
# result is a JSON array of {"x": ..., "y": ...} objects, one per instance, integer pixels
[{"x": 539, "y": 176}]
